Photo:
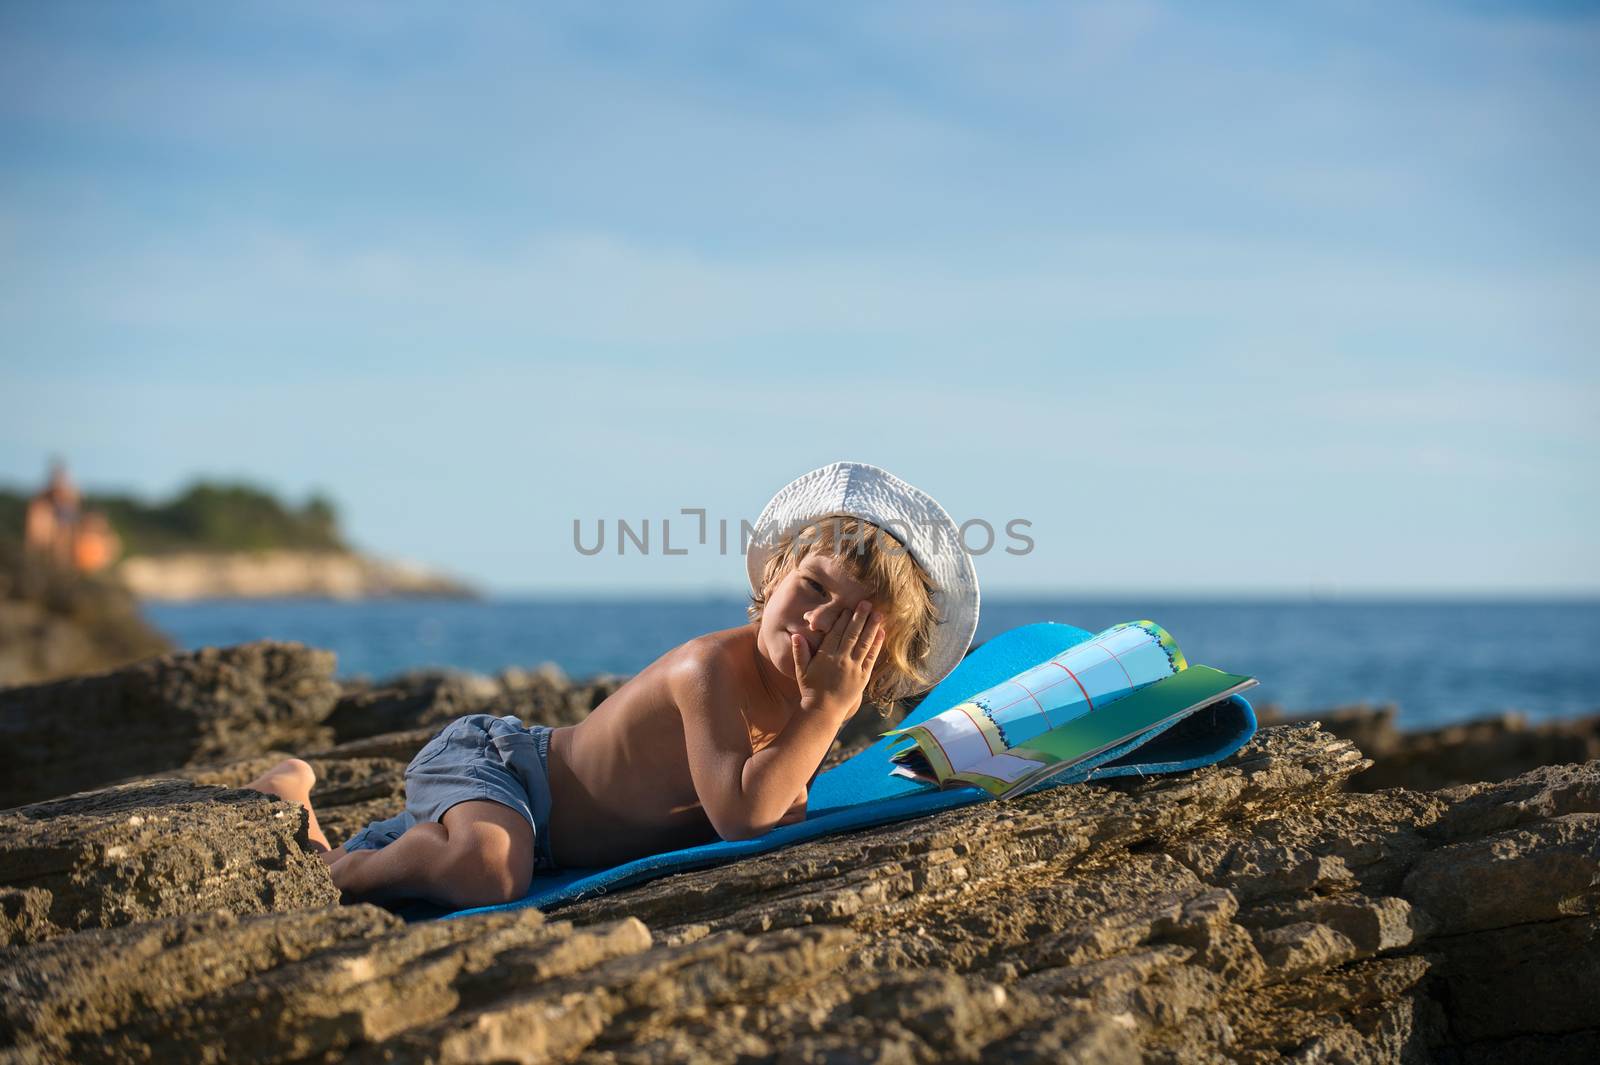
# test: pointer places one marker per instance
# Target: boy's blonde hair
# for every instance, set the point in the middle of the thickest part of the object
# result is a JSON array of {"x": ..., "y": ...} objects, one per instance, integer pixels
[{"x": 900, "y": 589}]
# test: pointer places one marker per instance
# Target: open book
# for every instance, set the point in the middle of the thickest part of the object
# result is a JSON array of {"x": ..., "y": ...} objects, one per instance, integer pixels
[{"x": 1115, "y": 686}]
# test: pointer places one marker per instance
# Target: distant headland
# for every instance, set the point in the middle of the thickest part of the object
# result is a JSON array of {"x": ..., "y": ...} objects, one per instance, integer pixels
[{"x": 213, "y": 540}]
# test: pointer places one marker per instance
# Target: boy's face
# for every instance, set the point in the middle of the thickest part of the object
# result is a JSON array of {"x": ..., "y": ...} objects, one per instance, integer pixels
[{"x": 807, "y": 600}]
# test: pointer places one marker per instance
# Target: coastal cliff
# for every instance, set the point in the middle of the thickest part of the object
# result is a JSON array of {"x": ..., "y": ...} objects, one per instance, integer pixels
[
  {"x": 213, "y": 540},
  {"x": 1257, "y": 910},
  {"x": 281, "y": 573}
]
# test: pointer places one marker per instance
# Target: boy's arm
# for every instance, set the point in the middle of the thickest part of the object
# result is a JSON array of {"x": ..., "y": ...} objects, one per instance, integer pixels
[
  {"x": 745, "y": 794},
  {"x": 797, "y": 809}
]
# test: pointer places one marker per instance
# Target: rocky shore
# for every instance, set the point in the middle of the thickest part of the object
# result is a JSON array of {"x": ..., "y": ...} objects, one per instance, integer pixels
[
  {"x": 1489, "y": 749},
  {"x": 1287, "y": 903},
  {"x": 281, "y": 574},
  {"x": 58, "y": 624}
]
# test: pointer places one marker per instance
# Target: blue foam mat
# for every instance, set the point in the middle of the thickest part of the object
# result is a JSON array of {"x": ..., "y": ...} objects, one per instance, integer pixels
[{"x": 860, "y": 792}]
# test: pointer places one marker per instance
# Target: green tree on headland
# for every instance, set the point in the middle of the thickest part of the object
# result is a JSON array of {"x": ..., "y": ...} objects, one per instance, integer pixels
[{"x": 206, "y": 516}]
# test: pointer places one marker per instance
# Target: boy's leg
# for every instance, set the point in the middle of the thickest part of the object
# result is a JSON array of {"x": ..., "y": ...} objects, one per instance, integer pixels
[
  {"x": 479, "y": 855},
  {"x": 293, "y": 779}
]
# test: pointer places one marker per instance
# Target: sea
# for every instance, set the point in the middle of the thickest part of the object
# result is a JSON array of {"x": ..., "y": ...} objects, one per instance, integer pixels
[{"x": 1438, "y": 662}]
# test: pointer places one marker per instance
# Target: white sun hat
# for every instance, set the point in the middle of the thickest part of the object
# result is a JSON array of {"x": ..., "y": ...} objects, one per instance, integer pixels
[{"x": 909, "y": 515}]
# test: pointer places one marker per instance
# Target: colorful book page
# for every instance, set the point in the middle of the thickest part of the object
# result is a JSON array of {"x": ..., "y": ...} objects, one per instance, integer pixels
[
  {"x": 1075, "y": 682},
  {"x": 1007, "y": 768},
  {"x": 964, "y": 735},
  {"x": 1140, "y": 711}
]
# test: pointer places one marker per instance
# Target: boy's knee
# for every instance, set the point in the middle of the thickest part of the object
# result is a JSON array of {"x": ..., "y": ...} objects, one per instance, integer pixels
[{"x": 482, "y": 867}]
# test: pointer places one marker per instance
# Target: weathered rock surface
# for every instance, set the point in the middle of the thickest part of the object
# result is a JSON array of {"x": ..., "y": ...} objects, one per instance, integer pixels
[
  {"x": 139, "y": 851},
  {"x": 1490, "y": 749},
  {"x": 431, "y": 699},
  {"x": 1252, "y": 911},
  {"x": 180, "y": 709},
  {"x": 351, "y": 790}
]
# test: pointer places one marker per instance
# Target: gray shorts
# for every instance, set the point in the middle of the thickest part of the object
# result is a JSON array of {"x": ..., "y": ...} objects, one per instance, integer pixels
[{"x": 479, "y": 756}]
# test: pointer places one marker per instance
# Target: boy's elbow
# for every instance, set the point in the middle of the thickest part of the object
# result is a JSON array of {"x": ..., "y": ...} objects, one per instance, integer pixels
[
  {"x": 734, "y": 830},
  {"x": 748, "y": 819},
  {"x": 740, "y": 826}
]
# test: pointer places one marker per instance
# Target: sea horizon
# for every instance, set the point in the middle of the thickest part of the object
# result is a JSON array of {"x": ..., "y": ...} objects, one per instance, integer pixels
[{"x": 1440, "y": 660}]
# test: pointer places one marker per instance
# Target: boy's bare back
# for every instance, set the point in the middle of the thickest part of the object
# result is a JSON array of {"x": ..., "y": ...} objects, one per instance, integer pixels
[{"x": 620, "y": 785}]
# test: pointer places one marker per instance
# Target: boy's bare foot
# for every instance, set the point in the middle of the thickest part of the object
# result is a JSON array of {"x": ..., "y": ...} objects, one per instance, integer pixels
[{"x": 293, "y": 779}]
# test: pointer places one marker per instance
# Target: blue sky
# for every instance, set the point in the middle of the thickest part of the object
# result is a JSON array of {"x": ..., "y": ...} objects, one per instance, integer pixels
[{"x": 1222, "y": 299}]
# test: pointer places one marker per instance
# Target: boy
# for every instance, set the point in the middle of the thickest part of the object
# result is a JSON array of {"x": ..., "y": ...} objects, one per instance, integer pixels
[{"x": 719, "y": 737}]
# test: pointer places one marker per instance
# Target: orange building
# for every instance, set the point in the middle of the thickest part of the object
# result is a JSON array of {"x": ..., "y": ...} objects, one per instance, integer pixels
[{"x": 57, "y": 527}]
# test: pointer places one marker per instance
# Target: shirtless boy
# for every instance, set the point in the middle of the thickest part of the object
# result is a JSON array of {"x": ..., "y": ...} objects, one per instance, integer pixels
[{"x": 718, "y": 738}]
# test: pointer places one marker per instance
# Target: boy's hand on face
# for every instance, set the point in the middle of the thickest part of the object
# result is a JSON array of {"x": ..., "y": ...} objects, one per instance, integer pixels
[{"x": 834, "y": 678}]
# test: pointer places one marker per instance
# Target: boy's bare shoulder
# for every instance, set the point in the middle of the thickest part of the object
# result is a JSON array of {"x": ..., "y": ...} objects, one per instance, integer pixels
[
  {"x": 718, "y": 670},
  {"x": 715, "y": 679},
  {"x": 724, "y": 655}
]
